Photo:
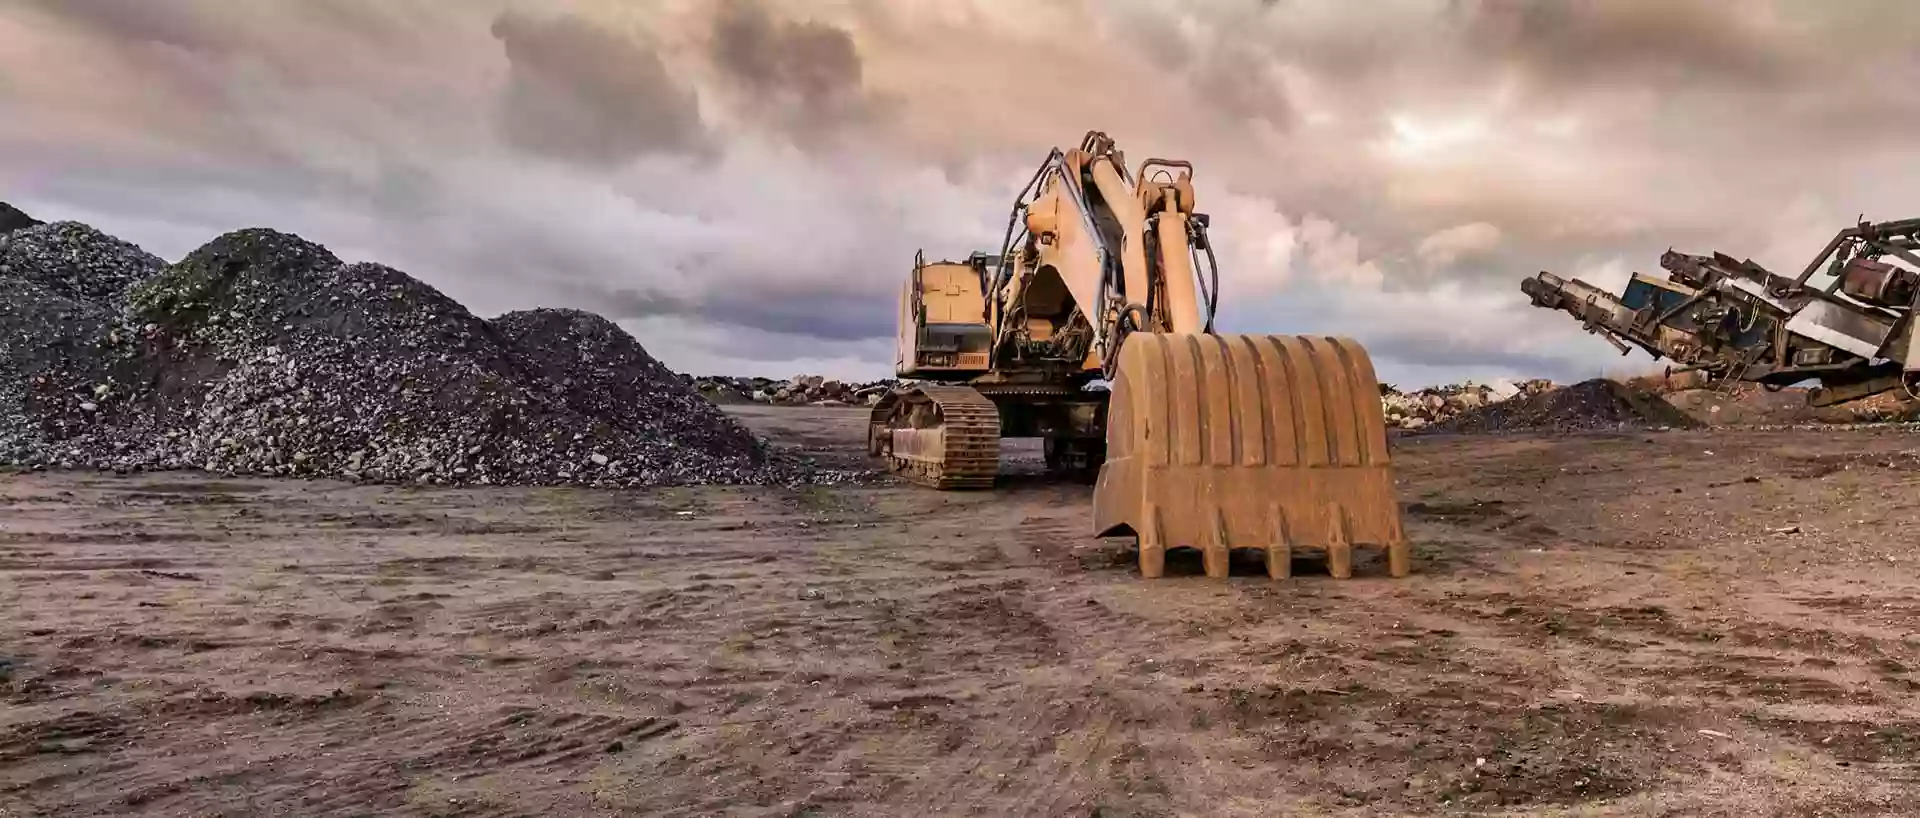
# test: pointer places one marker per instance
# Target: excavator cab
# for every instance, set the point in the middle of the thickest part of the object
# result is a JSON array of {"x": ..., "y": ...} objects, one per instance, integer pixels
[{"x": 944, "y": 319}]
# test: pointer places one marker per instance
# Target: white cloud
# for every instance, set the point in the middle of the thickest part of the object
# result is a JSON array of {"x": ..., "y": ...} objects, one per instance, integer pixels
[
  {"x": 1333, "y": 256},
  {"x": 1256, "y": 245},
  {"x": 1454, "y": 243}
]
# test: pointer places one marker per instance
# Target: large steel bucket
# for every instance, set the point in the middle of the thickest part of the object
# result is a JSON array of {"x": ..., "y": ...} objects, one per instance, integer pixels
[{"x": 1269, "y": 442}]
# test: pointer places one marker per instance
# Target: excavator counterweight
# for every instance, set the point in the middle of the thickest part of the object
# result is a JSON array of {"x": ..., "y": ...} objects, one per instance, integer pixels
[{"x": 1204, "y": 440}]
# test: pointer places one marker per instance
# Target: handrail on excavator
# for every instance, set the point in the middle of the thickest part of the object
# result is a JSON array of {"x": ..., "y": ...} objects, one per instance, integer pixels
[{"x": 1154, "y": 162}]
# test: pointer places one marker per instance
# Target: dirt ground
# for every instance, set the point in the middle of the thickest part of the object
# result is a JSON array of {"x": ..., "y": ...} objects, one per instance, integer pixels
[{"x": 1681, "y": 623}]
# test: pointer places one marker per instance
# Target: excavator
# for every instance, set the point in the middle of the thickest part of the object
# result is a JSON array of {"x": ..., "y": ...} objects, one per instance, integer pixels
[{"x": 1093, "y": 329}]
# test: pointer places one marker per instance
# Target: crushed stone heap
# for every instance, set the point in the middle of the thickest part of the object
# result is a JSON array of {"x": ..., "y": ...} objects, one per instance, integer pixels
[
  {"x": 64, "y": 283},
  {"x": 799, "y": 390},
  {"x": 1595, "y": 405},
  {"x": 75, "y": 261},
  {"x": 602, "y": 372},
  {"x": 261, "y": 353},
  {"x": 11, "y": 219}
]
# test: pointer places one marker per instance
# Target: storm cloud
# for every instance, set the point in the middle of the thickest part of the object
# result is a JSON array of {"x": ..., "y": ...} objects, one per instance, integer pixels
[
  {"x": 744, "y": 184},
  {"x": 578, "y": 91},
  {"x": 803, "y": 76}
]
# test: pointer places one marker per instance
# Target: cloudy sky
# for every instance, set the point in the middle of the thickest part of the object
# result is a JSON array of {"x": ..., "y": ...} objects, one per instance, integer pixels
[{"x": 744, "y": 184}]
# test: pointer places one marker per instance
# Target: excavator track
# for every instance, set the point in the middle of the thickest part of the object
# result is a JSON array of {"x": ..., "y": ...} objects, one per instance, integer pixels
[{"x": 942, "y": 437}]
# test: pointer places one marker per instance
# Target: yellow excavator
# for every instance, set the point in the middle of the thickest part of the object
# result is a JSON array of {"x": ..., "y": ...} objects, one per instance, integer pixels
[{"x": 1093, "y": 329}]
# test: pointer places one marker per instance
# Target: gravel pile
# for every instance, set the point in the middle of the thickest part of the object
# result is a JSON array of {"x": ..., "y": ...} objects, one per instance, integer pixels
[
  {"x": 262, "y": 353},
  {"x": 601, "y": 372},
  {"x": 75, "y": 261},
  {"x": 799, "y": 390},
  {"x": 63, "y": 282},
  {"x": 12, "y": 219},
  {"x": 46, "y": 345},
  {"x": 1425, "y": 407},
  {"x": 1595, "y": 405}
]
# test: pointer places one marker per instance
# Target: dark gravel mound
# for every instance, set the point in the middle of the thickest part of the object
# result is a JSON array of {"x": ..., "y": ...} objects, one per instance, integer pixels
[
  {"x": 1594, "y": 405},
  {"x": 48, "y": 349},
  {"x": 11, "y": 219},
  {"x": 75, "y": 260},
  {"x": 262, "y": 353},
  {"x": 63, "y": 283},
  {"x": 599, "y": 370}
]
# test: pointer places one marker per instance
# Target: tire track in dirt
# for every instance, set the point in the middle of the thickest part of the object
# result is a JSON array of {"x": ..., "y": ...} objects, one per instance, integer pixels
[
  {"x": 941, "y": 744},
  {"x": 376, "y": 756},
  {"x": 73, "y": 733},
  {"x": 1047, "y": 742},
  {"x": 1032, "y": 751}
]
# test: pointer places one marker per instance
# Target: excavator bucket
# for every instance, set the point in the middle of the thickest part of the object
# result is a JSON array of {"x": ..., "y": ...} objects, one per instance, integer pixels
[{"x": 1269, "y": 442}]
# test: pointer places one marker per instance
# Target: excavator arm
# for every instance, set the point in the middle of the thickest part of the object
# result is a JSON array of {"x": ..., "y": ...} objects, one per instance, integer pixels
[
  {"x": 1125, "y": 246},
  {"x": 1214, "y": 441},
  {"x": 1211, "y": 441}
]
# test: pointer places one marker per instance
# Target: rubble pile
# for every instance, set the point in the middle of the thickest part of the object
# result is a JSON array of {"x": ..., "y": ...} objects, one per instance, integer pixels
[
  {"x": 74, "y": 261},
  {"x": 12, "y": 219},
  {"x": 261, "y": 353},
  {"x": 800, "y": 390},
  {"x": 1594, "y": 405},
  {"x": 1425, "y": 407},
  {"x": 64, "y": 283},
  {"x": 601, "y": 372}
]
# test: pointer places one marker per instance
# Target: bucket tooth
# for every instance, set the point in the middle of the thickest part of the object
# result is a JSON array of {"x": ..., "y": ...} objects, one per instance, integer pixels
[
  {"x": 1280, "y": 551},
  {"x": 1339, "y": 548},
  {"x": 1153, "y": 553},
  {"x": 1216, "y": 554},
  {"x": 1274, "y": 442}
]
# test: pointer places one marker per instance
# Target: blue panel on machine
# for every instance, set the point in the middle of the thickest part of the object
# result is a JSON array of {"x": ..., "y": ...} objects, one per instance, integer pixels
[{"x": 1642, "y": 292}]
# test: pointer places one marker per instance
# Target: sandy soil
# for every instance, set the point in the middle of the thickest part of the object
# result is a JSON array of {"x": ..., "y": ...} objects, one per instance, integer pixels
[{"x": 1682, "y": 623}]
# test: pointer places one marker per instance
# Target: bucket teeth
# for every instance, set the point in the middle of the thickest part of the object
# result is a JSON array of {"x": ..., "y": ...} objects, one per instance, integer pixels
[{"x": 1268, "y": 442}]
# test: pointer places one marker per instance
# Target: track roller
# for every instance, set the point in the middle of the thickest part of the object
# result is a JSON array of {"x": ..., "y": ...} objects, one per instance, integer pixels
[{"x": 943, "y": 437}]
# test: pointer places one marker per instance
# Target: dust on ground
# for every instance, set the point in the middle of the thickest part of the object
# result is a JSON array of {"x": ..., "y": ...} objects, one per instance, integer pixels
[{"x": 1703, "y": 622}]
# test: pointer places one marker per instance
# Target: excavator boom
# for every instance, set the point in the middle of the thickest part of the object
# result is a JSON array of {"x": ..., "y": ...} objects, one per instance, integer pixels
[{"x": 1205, "y": 440}]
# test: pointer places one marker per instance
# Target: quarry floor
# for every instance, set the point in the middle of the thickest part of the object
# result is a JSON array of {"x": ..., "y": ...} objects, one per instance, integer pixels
[{"x": 1675, "y": 623}]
